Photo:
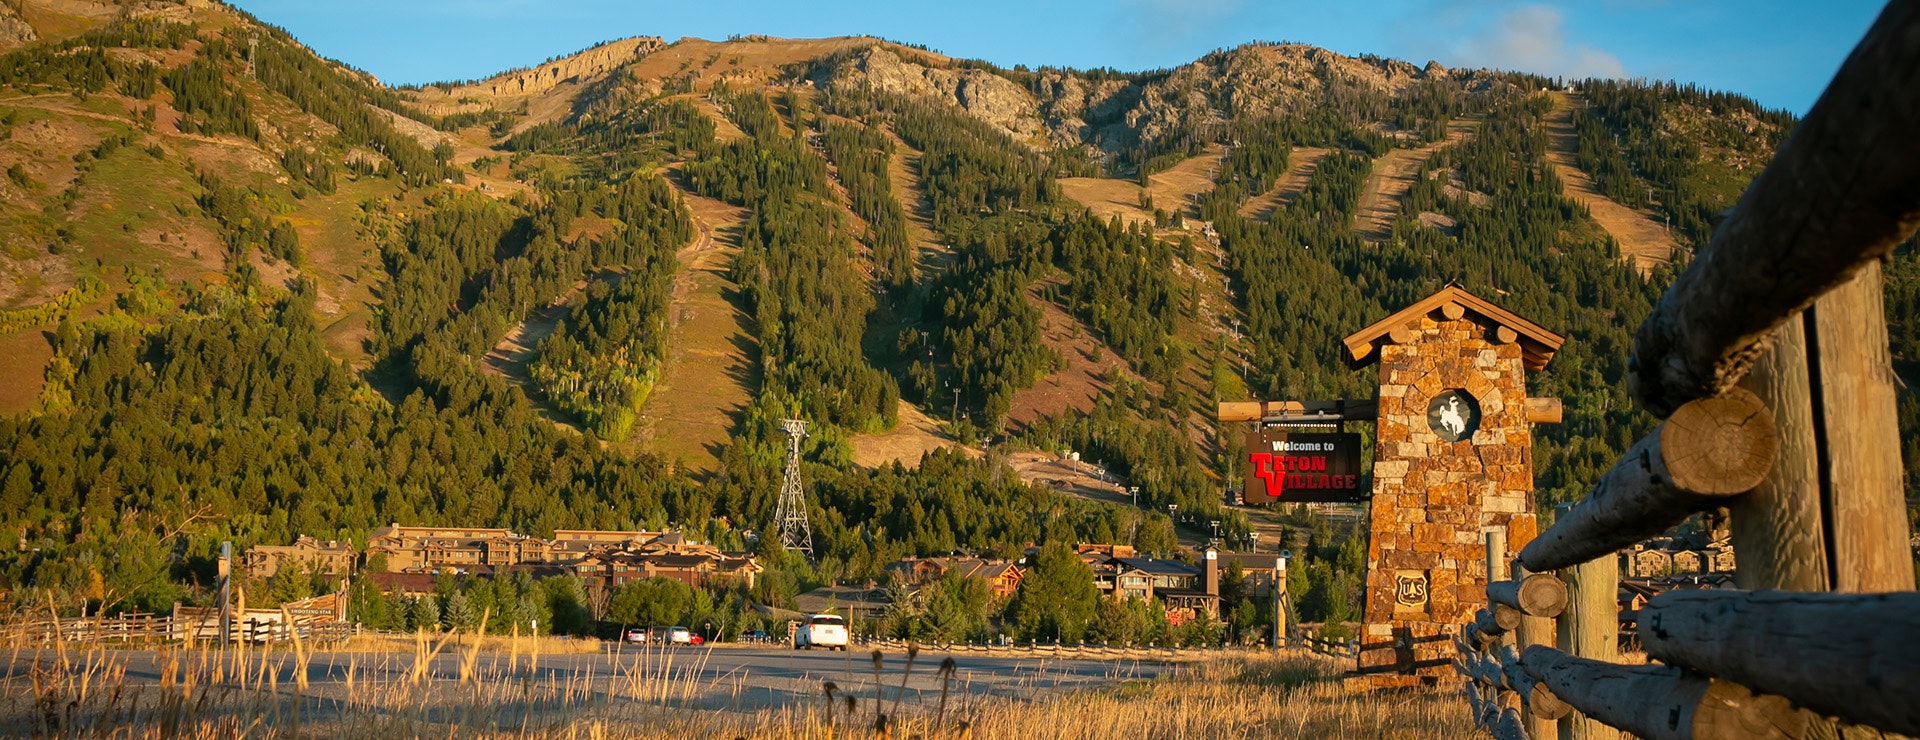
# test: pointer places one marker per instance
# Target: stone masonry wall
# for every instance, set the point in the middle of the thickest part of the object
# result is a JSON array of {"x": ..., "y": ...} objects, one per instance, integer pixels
[{"x": 1433, "y": 499}]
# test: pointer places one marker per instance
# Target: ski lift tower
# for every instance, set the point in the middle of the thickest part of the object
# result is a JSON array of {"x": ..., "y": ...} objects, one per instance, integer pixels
[{"x": 796, "y": 533}]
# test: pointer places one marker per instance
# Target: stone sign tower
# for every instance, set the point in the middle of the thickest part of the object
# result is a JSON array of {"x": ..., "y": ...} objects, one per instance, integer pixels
[{"x": 1453, "y": 459}]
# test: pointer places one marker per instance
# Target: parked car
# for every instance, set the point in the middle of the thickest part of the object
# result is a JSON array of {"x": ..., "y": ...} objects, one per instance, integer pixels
[
  {"x": 679, "y": 636},
  {"x": 698, "y": 640},
  {"x": 756, "y": 636},
  {"x": 637, "y": 634},
  {"x": 822, "y": 630}
]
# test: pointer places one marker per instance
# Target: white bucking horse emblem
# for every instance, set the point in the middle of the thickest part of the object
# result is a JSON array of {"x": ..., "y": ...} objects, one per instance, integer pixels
[{"x": 1450, "y": 418}]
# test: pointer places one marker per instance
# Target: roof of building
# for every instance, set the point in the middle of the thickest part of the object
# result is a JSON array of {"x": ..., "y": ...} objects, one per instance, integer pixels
[
  {"x": 1249, "y": 561},
  {"x": 1158, "y": 567},
  {"x": 402, "y": 582},
  {"x": 1537, "y": 345},
  {"x": 602, "y": 535}
]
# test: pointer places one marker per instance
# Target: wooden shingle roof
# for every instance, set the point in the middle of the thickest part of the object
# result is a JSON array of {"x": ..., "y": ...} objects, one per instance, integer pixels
[{"x": 1537, "y": 345}]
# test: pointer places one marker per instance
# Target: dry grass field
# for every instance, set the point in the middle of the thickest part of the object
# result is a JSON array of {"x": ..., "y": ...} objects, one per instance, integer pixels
[
  {"x": 290, "y": 692},
  {"x": 903, "y": 172},
  {"x": 1172, "y": 190},
  {"x": 916, "y": 435}
]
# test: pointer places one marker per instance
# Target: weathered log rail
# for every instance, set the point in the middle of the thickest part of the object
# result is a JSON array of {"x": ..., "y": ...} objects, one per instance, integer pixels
[
  {"x": 1806, "y": 455},
  {"x": 1841, "y": 193}
]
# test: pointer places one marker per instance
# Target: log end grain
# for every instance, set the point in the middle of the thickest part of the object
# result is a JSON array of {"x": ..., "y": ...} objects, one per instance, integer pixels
[{"x": 1723, "y": 445}]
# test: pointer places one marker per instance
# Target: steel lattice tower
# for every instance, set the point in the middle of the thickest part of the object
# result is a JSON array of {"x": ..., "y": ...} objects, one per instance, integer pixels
[{"x": 796, "y": 533}]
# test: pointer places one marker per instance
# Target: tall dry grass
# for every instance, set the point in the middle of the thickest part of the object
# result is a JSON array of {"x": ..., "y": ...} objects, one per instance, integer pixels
[{"x": 436, "y": 686}]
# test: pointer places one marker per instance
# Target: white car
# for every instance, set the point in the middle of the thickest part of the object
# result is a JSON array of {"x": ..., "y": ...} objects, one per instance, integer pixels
[
  {"x": 821, "y": 630},
  {"x": 679, "y": 636}
]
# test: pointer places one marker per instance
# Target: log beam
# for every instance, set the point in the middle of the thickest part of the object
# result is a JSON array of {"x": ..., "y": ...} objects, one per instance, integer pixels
[
  {"x": 1706, "y": 451},
  {"x": 1486, "y": 624},
  {"x": 1509, "y": 726},
  {"x": 1784, "y": 643},
  {"x": 1839, "y": 195},
  {"x": 1475, "y": 639},
  {"x": 1654, "y": 702},
  {"x": 1535, "y": 697},
  {"x": 1545, "y": 410},
  {"x": 1275, "y": 411},
  {"x": 1537, "y": 595},
  {"x": 1507, "y": 618}
]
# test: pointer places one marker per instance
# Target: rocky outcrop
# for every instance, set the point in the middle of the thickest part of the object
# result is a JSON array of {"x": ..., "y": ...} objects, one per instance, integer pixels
[
  {"x": 586, "y": 64},
  {"x": 427, "y": 136},
  {"x": 14, "y": 31},
  {"x": 1081, "y": 111},
  {"x": 1195, "y": 100},
  {"x": 983, "y": 94}
]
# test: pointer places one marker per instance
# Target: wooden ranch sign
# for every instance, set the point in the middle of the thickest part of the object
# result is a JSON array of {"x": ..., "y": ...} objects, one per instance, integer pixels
[{"x": 1293, "y": 467}]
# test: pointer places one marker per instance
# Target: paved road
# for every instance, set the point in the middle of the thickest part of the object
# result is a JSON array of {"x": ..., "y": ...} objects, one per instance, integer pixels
[{"x": 728, "y": 678}]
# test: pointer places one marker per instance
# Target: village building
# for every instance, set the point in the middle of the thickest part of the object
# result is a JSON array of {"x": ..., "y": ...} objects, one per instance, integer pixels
[
  {"x": 698, "y": 566},
  {"x": 330, "y": 557},
  {"x": 1187, "y": 592},
  {"x": 1664, "y": 556},
  {"x": 1260, "y": 570},
  {"x": 1002, "y": 576},
  {"x": 604, "y": 559},
  {"x": 412, "y": 549},
  {"x": 575, "y": 544}
]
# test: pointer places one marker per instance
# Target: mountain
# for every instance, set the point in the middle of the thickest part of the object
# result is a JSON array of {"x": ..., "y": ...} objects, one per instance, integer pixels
[{"x": 250, "y": 293}]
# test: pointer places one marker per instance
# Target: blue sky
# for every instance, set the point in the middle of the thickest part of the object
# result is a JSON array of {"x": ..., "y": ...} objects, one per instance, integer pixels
[{"x": 1779, "y": 52}]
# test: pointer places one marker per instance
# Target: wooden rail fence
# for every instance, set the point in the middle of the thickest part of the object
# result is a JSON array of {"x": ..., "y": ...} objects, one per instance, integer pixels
[
  {"x": 1768, "y": 360},
  {"x": 149, "y": 628}
]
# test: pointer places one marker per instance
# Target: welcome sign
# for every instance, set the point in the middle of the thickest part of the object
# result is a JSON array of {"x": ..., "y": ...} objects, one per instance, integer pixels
[{"x": 1295, "y": 467}]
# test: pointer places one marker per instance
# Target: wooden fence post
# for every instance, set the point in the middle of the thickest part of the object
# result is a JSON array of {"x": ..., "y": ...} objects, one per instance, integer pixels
[
  {"x": 1534, "y": 631},
  {"x": 224, "y": 578},
  {"x": 1590, "y": 628},
  {"x": 1496, "y": 541},
  {"x": 1778, "y": 529},
  {"x": 1852, "y": 373}
]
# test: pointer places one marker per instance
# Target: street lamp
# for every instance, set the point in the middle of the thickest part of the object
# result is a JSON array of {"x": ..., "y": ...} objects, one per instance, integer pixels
[{"x": 1135, "y": 492}]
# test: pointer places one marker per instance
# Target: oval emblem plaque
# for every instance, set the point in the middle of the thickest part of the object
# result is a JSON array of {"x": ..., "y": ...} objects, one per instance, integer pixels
[{"x": 1453, "y": 415}]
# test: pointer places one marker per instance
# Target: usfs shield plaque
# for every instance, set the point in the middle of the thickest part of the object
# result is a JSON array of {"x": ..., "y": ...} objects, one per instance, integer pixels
[{"x": 1410, "y": 590}]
